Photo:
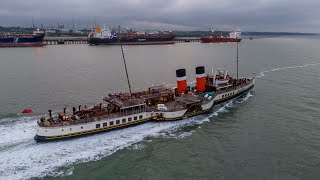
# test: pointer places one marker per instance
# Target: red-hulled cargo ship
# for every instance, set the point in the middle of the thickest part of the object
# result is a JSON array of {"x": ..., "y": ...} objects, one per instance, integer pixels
[{"x": 234, "y": 36}]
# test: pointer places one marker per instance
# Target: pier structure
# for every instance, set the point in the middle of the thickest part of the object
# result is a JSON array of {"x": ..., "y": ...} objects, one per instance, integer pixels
[
  {"x": 187, "y": 39},
  {"x": 64, "y": 40}
]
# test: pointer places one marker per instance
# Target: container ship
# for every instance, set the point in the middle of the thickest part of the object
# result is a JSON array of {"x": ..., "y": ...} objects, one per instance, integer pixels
[
  {"x": 157, "y": 103},
  {"x": 106, "y": 36},
  {"x": 234, "y": 36},
  {"x": 23, "y": 40}
]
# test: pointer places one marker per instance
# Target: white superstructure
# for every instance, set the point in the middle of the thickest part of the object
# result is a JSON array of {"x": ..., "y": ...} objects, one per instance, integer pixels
[{"x": 235, "y": 35}]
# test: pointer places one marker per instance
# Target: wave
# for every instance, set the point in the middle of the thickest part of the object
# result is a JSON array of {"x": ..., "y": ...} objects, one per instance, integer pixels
[
  {"x": 262, "y": 74},
  {"x": 22, "y": 158}
]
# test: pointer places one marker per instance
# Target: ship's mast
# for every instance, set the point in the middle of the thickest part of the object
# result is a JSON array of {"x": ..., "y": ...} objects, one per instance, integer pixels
[
  {"x": 237, "y": 62},
  {"x": 125, "y": 64},
  {"x": 33, "y": 23}
]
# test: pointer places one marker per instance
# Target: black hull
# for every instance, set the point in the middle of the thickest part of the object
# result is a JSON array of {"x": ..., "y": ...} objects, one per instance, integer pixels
[
  {"x": 22, "y": 40},
  {"x": 133, "y": 41}
]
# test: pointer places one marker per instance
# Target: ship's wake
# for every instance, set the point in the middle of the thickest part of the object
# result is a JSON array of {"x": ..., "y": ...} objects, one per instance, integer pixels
[
  {"x": 262, "y": 74},
  {"x": 22, "y": 158}
]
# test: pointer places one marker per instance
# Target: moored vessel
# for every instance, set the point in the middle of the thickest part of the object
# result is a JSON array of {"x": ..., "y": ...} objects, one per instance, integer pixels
[
  {"x": 234, "y": 36},
  {"x": 158, "y": 103},
  {"x": 106, "y": 36},
  {"x": 23, "y": 40}
]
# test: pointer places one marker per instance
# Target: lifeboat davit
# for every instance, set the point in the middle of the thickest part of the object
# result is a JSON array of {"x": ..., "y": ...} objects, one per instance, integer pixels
[{"x": 27, "y": 111}]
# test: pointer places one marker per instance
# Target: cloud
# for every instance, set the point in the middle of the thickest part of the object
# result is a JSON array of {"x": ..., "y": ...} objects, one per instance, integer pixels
[{"x": 250, "y": 15}]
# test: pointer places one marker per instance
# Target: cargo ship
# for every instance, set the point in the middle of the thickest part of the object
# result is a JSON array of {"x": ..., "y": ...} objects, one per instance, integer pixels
[
  {"x": 157, "y": 103},
  {"x": 106, "y": 36},
  {"x": 23, "y": 40},
  {"x": 234, "y": 36}
]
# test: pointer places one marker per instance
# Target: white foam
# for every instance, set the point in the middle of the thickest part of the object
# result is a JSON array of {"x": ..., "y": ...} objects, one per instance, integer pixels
[
  {"x": 245, "y": 98},
  {"x": 185, "y": 134},
  {"x": 22, "y": 158},
  {"x": 138, "y": 146},
  {"x": 262, "y": 74},
  {"x": 17, "y": 132}
]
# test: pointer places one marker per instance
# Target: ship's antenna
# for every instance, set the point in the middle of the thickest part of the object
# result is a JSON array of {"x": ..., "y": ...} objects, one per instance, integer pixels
[
  {"x": 237, "y": 61},
  {"x": 125, "y": 64},
  {"x": 33, "y": 23}
]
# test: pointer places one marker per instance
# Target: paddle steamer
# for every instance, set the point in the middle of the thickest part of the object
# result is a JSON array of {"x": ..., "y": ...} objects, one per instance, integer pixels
[{"x": 158, "y": 103}]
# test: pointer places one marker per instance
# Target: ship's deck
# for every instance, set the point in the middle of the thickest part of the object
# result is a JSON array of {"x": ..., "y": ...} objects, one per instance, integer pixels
[
  {"x": 180, "y": 103},
  {"x": 136, "y": 105}
]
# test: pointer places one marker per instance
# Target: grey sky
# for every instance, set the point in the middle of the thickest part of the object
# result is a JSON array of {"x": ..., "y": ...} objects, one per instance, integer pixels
[{"x": 246, "y": 15}]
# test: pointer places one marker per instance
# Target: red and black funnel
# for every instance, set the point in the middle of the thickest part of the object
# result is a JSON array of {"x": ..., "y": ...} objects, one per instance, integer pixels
[{"x": 181, "y": 81}]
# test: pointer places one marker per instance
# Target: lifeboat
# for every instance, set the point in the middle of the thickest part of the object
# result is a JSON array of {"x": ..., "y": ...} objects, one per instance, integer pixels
[{"x": 27, "y": 111}]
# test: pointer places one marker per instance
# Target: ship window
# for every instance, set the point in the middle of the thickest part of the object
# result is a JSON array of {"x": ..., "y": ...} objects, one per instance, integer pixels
[
  {"x": 105, "y": 124},
  {"x": 111, "y": 123},
  {"x": 223, "y": 96},
  {"x": 117, "y": 121},
  {"x": 62, "y": 129},
  {"x": 135, "y": 118},
  {"x": 70, "y": 129},
  {"x": 97, "y": 125},
  {"x": 81, "y": 127},
  {"x": 123, "y": 120},
  {"x": 129, "y": 119},
  {"x": 140, "y": 117}
]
